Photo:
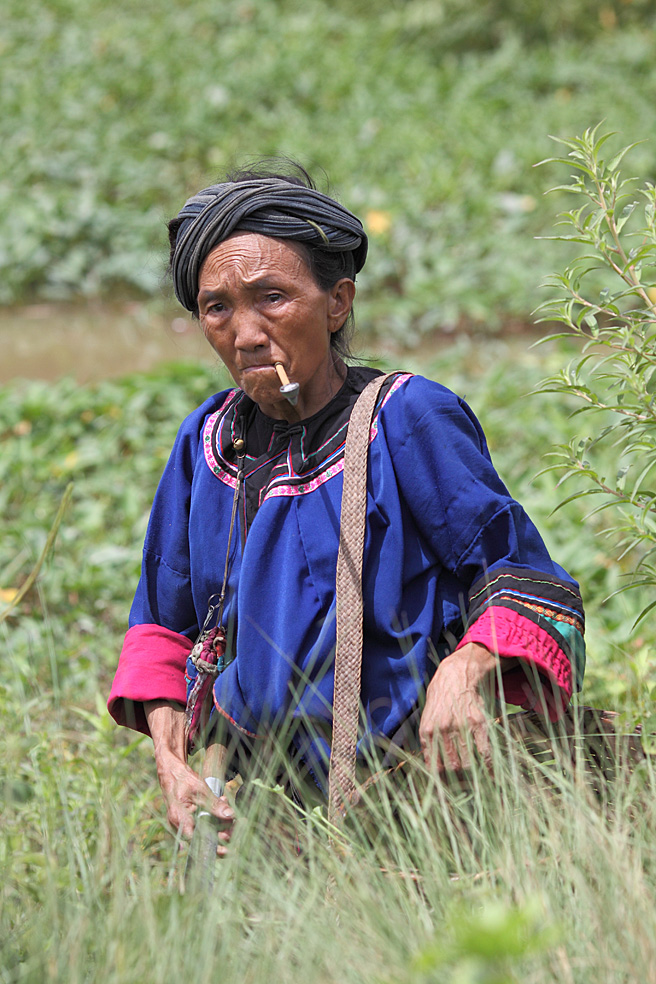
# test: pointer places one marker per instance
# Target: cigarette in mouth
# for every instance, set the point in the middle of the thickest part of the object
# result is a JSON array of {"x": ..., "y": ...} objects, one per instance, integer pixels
[{"x": 288, "y": 390}]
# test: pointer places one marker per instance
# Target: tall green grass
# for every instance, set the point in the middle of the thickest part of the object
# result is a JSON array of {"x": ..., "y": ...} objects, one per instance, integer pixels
[{"x": 501, "y": 882}]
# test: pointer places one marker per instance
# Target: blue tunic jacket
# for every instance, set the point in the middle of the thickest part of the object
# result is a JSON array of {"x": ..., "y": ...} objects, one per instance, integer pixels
[{"x": 447, "y": 551}]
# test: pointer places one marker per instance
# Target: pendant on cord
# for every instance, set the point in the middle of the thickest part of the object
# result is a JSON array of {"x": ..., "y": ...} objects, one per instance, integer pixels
[{"x": 209, "y": 658}]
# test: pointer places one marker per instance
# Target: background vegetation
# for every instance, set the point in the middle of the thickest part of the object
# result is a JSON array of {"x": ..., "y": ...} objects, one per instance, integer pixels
[{"x": 428, "y": 117}]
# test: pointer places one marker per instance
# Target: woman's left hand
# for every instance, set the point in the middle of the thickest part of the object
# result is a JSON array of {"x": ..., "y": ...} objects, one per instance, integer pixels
[{"x": 455, "y": 709}]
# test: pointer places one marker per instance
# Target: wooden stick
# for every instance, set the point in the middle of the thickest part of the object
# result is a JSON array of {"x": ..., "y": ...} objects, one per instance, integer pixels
[
  {"x": 214, "y": 766},
  {"x": 200, "y": 870}
]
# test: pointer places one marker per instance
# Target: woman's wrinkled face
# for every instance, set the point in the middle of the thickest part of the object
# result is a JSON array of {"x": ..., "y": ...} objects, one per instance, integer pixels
[{"x": 259, "y": 304}]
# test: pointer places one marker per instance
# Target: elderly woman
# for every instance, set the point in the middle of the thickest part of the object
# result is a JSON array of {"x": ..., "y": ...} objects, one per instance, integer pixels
[{"x": 458, "y": 586}]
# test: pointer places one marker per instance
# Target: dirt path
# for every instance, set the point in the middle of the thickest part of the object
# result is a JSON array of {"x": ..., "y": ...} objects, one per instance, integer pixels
[{"x": 94, "y": 341}]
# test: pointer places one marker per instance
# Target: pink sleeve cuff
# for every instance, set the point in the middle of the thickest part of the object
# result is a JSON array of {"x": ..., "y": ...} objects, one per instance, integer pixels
[
  {"x": 508, "y": 634},
  {"x": 151, "y": 667}
]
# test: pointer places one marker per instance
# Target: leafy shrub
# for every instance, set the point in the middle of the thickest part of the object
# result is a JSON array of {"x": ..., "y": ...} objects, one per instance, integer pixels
[{"x": 607, "y": 300}]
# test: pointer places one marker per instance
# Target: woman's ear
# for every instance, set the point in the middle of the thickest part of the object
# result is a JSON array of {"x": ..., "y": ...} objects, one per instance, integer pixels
[{"x": 340, "y": 302}]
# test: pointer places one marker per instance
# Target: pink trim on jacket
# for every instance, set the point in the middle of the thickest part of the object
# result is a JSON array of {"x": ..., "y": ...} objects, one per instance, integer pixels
[
  {"x": 509, "y": 634},
  {"x": 151, "y": 667}
]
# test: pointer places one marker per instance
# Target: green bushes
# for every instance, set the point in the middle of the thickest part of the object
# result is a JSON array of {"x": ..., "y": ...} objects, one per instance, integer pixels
[
  {"x": 427, "y": 118},
  {"x": 455, "y": 25}
]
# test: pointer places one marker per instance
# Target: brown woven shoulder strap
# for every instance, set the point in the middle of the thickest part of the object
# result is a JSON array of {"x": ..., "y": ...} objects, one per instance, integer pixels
[{"x": 348, "y": 652}]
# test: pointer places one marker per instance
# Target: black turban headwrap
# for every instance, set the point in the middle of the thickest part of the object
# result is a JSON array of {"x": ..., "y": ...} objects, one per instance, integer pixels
[{"x": 269, "y": 206}]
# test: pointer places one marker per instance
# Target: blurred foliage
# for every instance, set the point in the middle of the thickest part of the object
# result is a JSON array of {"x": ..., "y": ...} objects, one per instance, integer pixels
[
  {"x": 458, "y": 25},
  {"x": 613, "y": 378},
  {"x": 426, "y": 116}
]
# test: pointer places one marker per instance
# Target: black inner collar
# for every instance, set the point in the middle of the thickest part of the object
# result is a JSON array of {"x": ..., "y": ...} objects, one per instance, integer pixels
[
  {"x": 279, "y": 453},
  {"x": 261, "y": 430}
]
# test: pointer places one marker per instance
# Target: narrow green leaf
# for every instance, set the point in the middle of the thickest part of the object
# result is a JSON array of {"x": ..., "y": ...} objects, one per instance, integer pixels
[
  {"x": 617, "y": 160},
  {"x": 643, "y": 614}
]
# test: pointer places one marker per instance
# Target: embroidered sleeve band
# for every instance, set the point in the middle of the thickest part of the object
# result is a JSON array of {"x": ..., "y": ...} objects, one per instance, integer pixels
[{"x": 537, "y": 618}]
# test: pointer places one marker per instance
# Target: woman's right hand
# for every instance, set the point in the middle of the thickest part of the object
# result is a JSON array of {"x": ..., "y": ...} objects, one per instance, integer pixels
[{"x": 184, "y": 790}]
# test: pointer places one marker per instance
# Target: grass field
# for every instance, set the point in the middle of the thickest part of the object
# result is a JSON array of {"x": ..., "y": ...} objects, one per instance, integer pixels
[{"x": 427, "y": 117}]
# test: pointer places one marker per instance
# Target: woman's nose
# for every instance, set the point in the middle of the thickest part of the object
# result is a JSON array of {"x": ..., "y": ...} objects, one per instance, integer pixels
[{"x": 250, "y": 330}]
